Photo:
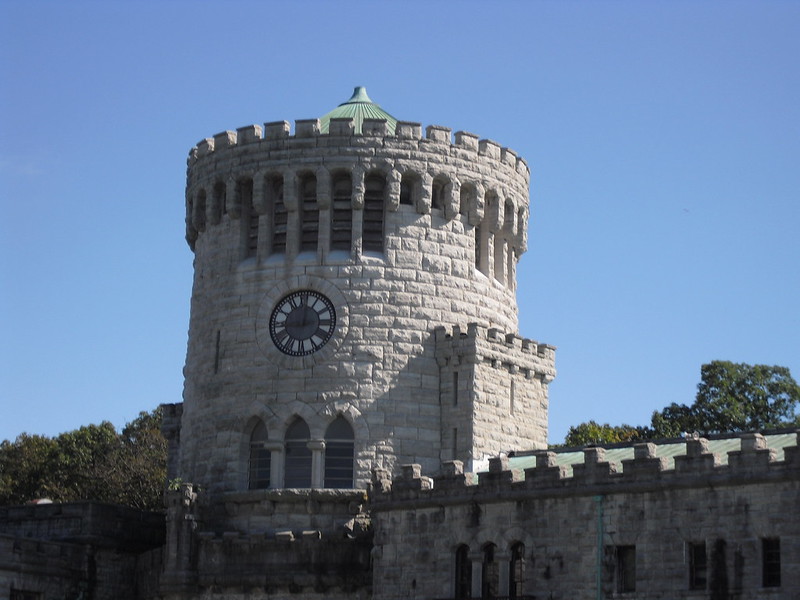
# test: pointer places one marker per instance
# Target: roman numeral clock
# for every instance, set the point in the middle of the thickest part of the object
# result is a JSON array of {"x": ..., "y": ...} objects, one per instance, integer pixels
[{"x": 302, "y": 322}]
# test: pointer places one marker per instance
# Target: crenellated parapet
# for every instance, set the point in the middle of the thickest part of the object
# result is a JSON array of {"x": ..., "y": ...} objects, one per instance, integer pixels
[
  {"x": 507, "y": 351},
  {"x": 552, "y": 475},
  {"x": 305, "y": 181}
]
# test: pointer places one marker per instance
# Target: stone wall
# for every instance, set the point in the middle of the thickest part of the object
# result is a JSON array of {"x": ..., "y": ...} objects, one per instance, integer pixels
[
  {"x": 80, "y": 550},
  {"x": 574, "y": 529},
  {"x": 493, "y": 393}
]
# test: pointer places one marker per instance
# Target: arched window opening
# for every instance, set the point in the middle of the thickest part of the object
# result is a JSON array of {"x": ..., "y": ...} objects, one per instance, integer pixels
[
  {"x": 244, "y": 190},
  {"x": 297, "y": 473},
  {"x": 339, "y": 454},
  {"x": 220, "y": 198},
  {"x": 260, "y": 465},
  {"x": 372, "y": 233},
  {"x": 467, "y": 198},
  {"x": 199, "y": 209},
  {"x": 508, "y": 216},
  {"x": 463, "y": 582},
  {"x": 279, "y": 215},
  {"x": 342, "y": 213},
  {"x": 309, "y": 213},
  {"x": 490, "y": 574},
  {"x": 408, "y": 187},
  {"x": 520, "y": 221},
  {"x": 438, "y": 189},
  {"x": 516, "y": 571}
]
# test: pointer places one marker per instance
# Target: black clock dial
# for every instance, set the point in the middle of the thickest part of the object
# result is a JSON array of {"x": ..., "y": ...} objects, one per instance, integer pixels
[{"x": 302, "y": 322}]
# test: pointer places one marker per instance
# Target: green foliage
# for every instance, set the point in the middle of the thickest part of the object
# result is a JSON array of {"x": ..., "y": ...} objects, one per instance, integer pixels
[
  {"x": 730, "y": 397},
  {"x": 93, "y": 462},
  {"x": 734, "y": 397},
  {"x": 592, "y": 432}
]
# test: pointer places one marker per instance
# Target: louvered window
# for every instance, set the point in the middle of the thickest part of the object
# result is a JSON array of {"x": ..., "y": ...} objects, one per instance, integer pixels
[
  {"x": 309, "y": 213},
  {"x": 374, "y": 188},
  {"x": 279, "y": 216},
  {"x": 249, "y": 217},
  {"x": 342, "y": 213}
]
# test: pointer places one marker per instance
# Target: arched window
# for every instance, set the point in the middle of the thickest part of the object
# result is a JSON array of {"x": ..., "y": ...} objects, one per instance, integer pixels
[
  {"x": 297, "y": 473},
  {"x": 508, "y": 216},
  {"x": 438, "y": 189},
  {"x": 339, "y": 447},
  {"x": 342, "y": 213},
  {"x": 199, "y": 209},
  {"x": 309, "y": 213},
  {"x": 372, "y": 233},
  {"x": 463, "y": 583},
  {"x": 516, "y": 571},
  {"x": 490, "y": 574},
  {"x": 467, "y": 198},
  {"x": 220, "y": 197},
  {"x": 260, "y": 459},
  {"x": 279, "y": 215},
  {"x": 408, "y": 187}
]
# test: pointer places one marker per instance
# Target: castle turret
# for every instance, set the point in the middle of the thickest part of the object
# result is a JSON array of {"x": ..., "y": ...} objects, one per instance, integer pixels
[{"x": 324, "y": 261}]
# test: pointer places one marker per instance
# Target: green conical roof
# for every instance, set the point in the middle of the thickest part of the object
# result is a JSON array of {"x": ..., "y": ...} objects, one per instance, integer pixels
[{"x": 358, "y": 108}]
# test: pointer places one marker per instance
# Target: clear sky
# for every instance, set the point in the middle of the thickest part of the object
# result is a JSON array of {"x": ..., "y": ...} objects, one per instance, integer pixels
[{"x": 663, "y": 140}]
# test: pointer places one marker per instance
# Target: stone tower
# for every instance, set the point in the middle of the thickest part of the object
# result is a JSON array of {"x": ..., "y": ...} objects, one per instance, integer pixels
[{"x": 354, "y": 303}]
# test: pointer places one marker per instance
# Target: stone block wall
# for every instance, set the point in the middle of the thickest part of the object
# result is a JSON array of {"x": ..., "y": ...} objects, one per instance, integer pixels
[
  {"x": 575, "y": 529},
  {"x": 493, "y": 392},
  {"x": 79, "y": 550}
]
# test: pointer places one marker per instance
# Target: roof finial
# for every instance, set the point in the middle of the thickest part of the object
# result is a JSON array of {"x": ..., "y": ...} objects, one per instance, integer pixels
[{"x": 359, "y": 95}]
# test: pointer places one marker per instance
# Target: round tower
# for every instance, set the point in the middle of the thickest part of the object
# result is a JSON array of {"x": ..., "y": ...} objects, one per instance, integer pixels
[{"x": 353, "y": 303}]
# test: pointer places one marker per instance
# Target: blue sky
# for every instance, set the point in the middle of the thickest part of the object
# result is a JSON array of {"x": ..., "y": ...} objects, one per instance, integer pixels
[{"x": 663, "y": 140}]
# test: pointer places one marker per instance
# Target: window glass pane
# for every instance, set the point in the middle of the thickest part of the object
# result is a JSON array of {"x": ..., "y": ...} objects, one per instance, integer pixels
[
  {"x": 298, "y": 456},
  {"x": 771, "y": 562}
]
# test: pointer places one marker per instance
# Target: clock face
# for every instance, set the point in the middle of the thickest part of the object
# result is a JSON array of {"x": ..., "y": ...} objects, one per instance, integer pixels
[{"x": 302, "y": 322}]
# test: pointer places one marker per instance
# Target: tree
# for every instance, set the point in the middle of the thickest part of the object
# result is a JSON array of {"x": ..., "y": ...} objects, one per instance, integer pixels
[
  {"x": 93, "y": 462},
  {"x": 730, "y": 397},
  {"x": 734, "y": 397},
  {"x": 592, "y": 432}
]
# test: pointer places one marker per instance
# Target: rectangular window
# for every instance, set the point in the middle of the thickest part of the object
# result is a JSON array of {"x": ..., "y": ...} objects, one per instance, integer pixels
[
  {"x": 771, "y": 562},
  {"x": 625, "y": 569},
  {"x": 698, "y": 565},
  {"x": 455, "y": 388}
]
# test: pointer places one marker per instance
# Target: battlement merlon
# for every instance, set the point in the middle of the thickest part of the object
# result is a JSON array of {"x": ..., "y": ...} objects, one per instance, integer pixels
[
  {"x": 753, "y": 463},
  {"x": 477, "y": 344},
  {"x": 277, "y": 134}
]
